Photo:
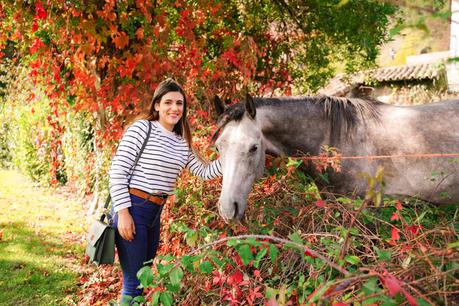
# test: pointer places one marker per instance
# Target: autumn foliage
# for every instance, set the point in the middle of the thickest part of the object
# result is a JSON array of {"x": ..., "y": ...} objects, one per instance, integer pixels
[
  {"x": 108, "y": 56},
  {"x": 98, "y": 62}
]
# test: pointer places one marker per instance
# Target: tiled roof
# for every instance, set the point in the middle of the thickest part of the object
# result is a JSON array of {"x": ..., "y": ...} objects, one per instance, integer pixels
[
  {"x": 341, "y": 84},
  {"x": 407, "y": 72}
]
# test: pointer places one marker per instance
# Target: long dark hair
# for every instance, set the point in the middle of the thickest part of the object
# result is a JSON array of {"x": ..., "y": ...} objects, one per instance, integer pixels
[{"x": 182, "y": 127}]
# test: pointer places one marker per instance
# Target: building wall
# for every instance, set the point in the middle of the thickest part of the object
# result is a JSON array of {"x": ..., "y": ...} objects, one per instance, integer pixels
[
  {"x": 453, "y": 68},
  {"x": 410, "y": 93}
]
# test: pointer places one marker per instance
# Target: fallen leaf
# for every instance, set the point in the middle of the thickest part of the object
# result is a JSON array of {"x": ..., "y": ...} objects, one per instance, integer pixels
[
  {"x": 392, "y": 284},
  {"x": 320, "y": 203},
  {"x": 395, "y": 234}
]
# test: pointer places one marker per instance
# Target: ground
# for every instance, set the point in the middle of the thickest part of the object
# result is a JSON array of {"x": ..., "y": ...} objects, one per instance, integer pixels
[{"x": 41, "y": 243}]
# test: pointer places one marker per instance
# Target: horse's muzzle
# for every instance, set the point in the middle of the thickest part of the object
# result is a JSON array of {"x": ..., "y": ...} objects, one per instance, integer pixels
[
  {"x": 232, "y": 214},
  {"x": 236, "y": 209}
]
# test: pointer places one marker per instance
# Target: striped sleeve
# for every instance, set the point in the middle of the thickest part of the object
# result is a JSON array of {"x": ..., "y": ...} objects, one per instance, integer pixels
[
  {"x": 203, "y": 170},
  {"x": 122, "y": 164}
]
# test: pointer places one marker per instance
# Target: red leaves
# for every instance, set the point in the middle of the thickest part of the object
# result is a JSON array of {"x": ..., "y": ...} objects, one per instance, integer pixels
[
  {"x": 40, "y": 12},
  {"x": 394, "y": 286},
  {"x": 329, "y": 157},
  {"x": 414, "y": 229},
  {"x": 395, "y": 234},
  {"x": 235, "y": 278},
  {"x": 320, "y": 203},
  {"x": 139, "y": 33},
  {"x": 36, "y": 45},
  {"x": 218, "y": 278},
  {"x": 202, "y": 113},
  {"x": 308, "y": 253},
  {"x": 185, "y": 25},
  {"x": 232, "y": 57},
  {"x": 269, "y": 185},
  {"x": 34, "y": 26},
  {"x": 126, "y": 69},
  {"x": 121, "y": 39},
  {"x": 254, "y": 294},
  {"x": 395, "y": 216}
]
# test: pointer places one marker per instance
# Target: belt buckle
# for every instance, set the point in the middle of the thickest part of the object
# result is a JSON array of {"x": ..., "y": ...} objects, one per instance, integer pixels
[{"x": 162, "y": 196}]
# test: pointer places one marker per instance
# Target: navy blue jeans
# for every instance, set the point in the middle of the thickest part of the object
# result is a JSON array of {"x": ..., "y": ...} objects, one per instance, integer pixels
[{"x": 142, "y": 248}]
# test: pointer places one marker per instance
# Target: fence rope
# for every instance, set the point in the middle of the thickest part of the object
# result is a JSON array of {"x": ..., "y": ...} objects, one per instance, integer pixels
[{"x": 338, "y": 157}]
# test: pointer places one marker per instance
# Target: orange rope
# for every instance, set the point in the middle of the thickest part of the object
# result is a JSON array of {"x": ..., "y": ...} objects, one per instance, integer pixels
[{"x": 380, "y": 156}]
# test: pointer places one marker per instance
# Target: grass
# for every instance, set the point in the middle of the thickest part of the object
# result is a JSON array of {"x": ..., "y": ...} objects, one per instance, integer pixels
[{"x": 40, "y": 243}]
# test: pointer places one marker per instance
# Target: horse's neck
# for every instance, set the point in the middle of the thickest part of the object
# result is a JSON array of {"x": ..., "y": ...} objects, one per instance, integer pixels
[{"x": 293, "y": 129}]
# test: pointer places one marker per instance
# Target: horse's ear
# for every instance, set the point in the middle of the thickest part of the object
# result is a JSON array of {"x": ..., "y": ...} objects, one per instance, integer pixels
[
  {"x": 250, "y": 106},
  {"x": 219, "y": 106}
]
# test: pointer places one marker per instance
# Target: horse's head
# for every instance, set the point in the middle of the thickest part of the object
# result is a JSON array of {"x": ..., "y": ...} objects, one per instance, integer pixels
[{"x": 242, "y": 155}]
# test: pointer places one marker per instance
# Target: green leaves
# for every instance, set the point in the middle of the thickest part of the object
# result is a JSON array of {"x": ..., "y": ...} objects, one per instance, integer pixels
[
  {"x": 273, "y": 252},
  {"x": 245, "y": 253},
  {"x": 176, "y": 276},
  {"x": 319, "y": 293},
  {"x": 383, "y": 255},
  {"x": 370, "y": 286},
  {"x": 206, "y": 267},
  {"x": 145, "y": 275},
  {"x": 166, "y": 298},
  {"x": 259, "y": 257},
  {"x": 454, "y": 245},
  {"x": 352, "y": 259}
]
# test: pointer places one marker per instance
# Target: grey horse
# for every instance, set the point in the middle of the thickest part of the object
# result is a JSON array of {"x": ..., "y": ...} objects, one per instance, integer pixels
[{"x": 420, "y": 145}]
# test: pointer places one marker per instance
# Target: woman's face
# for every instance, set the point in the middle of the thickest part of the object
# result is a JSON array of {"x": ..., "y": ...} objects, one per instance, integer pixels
[{"x": 170, "y": 109}]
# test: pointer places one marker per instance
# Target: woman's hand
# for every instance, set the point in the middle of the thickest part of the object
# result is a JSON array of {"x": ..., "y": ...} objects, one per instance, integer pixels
[{"x": 126, "y": 226}]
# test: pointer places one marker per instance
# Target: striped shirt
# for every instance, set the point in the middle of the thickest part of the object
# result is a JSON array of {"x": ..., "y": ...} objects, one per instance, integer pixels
[{"x": 165, "y": 155}]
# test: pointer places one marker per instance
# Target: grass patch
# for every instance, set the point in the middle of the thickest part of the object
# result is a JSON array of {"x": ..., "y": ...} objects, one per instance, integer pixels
[{"x": 40, "y": 243}]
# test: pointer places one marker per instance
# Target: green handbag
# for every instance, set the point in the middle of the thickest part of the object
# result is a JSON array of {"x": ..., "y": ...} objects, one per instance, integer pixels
[
  {"x": 101, "y": 241},
  {"x": 101, "y": 237}
]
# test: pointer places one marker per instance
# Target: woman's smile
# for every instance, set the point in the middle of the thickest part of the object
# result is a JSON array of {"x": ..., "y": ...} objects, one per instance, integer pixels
[{"x": 170, "y": 109}]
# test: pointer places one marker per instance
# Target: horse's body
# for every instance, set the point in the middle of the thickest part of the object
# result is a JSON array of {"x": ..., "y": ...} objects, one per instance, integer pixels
[{"x": 302, "y": 126}]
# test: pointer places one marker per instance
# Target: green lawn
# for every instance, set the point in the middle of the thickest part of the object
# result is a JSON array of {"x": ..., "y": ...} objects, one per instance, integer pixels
[{"x": 40, "y": 243}]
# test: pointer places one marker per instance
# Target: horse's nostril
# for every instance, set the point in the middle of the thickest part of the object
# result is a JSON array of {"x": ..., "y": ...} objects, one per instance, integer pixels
[{"x": 236, "y": 207}]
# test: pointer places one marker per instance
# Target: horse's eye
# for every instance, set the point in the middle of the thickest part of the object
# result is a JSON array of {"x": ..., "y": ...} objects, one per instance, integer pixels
[{"x": 253, "y": 149}]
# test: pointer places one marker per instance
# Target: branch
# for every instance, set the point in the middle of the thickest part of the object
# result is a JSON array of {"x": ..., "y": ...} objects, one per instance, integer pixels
[
  {"x": 264, "y": 237},
  {"x": 280, "y": 240},
  {"x": 282, "y": 4}
]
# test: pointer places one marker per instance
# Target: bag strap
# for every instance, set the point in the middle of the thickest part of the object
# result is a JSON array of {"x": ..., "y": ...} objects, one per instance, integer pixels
[{"x": 109, "y": 198}]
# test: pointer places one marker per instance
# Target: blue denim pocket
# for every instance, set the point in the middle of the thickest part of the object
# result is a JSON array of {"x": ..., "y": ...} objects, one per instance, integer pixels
[{"x": 143, "y": 212}]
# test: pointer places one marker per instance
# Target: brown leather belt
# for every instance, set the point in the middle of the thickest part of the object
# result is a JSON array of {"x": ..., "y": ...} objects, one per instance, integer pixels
[{"x": 159, "y": 200}]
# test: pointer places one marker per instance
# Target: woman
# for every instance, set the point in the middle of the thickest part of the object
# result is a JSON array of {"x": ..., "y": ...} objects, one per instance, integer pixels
[{"x": 137, "y": 203}]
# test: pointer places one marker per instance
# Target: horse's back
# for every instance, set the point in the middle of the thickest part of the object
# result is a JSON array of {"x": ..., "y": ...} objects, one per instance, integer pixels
[
  {"x": 412, "y": 138},
  {"x": 434, "y": 125}
]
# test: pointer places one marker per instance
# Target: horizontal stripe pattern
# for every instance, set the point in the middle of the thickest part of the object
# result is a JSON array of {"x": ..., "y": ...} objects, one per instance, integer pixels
[{"x": 165, "y": 156}]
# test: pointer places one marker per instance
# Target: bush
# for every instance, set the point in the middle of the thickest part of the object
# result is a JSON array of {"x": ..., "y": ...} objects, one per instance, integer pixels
[
  {"x": 25, "y": 130},
  {"x": 52, "y": 147},
  {"x": 306, "y": 251},
  {"x": 5, "y": 155},
  {"x": 78, "y": 150},
  {"x": 30, "y": 138}
]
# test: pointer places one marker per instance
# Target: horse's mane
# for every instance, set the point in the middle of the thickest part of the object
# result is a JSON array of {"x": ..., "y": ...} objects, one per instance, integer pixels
[{"x": 340, "y": 112}]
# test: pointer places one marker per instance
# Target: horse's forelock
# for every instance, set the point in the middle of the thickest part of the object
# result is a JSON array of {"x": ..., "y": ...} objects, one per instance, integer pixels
[{"x": 233, "y": 113}]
